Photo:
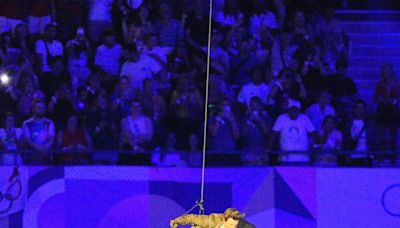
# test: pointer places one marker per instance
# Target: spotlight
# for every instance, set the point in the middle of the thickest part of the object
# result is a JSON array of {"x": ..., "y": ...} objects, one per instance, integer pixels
[{"x": 4, "y": 79}]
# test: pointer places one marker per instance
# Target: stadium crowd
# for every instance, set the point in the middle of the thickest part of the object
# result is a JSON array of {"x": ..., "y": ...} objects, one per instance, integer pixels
[{"x": 131, "y": 75}]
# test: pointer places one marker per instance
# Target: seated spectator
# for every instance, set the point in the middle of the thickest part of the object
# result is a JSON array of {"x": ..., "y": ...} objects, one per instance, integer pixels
[
  {"x": 169, "y": 30},
  {"x": 196, "y": 26},
  {"x": 8, "y": 53},
  {"x": 79, "y": 51},
  {"x": 218, "y": 54},
  {"x": 387, "y": 97},
  {"x": 186, "y": 109},
  {"x": 108, "y": 54},
  {"x": 256, "y": 128},
  {"x": 224, "y": 129},
  {"x": 25, "y": 98},
  {"x": 139, "y": 67},
  {"x": 25, "y": 72},
  {"x": 293, "y": 129},
  {"x": 321, "y": 109},
  {"x": 230, "y": 14},
  {"x": 89, "y": 94},
  {"x": 261, "y": 18},
  {"x": 11, "y": 139},
  {"x": 123, "y": 96},
  {"x": 256, "y": 88},
  {"x": 358, "y": 136},
  {"x": 99, "y": 18},
  {"x": 48, "y": 48},
  {"x": 39, "y": 135},
  {"x": 331, "y": 140},
  {"x": 102, "y": 123},
  {"x": 137, "y": 129},
  {"x": 153, "y": 104},
  {"x": 24, "y": 41},
  {"x": 301, "y": 29},
  {"x": 73, "y": 137},
  {"x": 153, "y": 50},
  {"x": 178, "y": 61}
]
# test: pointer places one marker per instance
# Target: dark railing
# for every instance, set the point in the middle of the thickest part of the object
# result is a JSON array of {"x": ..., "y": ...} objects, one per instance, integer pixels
[{"x": 193, "y": 158}]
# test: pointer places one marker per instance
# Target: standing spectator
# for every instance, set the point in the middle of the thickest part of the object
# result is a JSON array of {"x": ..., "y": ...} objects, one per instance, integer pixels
[
  {"x": 230, "y": 14},
  {"x": 387, "y": 98},
  {"x": 108, "y": 54},
  {"x": 218, "y": 54},
  {"x": 261, "y": 18},
  {"x": 169, "y": 30},
  {"x": 99, "y": 18},
  {"x": 10, "y": 15},
  {"x": 103, "y": 124},
  {"x": 358, "y": 137},
  {"x": 23, "y": 41},
  {"x": 40, "y": 14},
  {"x": 321, "y": 109},
  {"x": 224, "y": 129},
  {"x": 137, "y": 129},
  {"x": 47, "y": 48},
  {"x": 10, "y": 140},
  {"x": 196, "y": 26},
  {"x": 61, "y": 105},
  {"x": 282, "y": 52},
  {"x": 53, "y": 79},
  {"x": 294, "y": 128},
  {"x": 39, "y": 133},
  {"x": 256, "y": 129},
  {"x": 8, "y": 54},
  {"x": 79, "y": 50},
  {"x": 255, "y": 88}
]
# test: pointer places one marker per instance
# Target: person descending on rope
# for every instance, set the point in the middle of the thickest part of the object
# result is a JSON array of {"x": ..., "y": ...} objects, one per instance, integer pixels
[{"x": 231, "y": 218}]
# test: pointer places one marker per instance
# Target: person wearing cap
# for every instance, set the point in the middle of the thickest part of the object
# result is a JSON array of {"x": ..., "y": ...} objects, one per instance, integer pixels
[
  {"x": 231, "y": 218},
  {"x": 293, "y": 128}
]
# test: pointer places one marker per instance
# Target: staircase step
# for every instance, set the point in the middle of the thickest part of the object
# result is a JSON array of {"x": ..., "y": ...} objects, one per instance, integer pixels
[
  {"x": 368, "y": 15},
  {"x": 375, "y": 50},
  {"x": 370, "y": 26},
  {"x": 375, "y": 38},
  {"x": 373, "y": 61}
]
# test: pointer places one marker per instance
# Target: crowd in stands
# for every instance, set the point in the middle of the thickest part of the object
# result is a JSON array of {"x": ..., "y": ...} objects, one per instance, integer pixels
[{"x": 131, "y": 75}]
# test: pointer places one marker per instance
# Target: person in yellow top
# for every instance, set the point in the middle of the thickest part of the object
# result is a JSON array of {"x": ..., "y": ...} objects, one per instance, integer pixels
[{"x": 231, "y": 218}]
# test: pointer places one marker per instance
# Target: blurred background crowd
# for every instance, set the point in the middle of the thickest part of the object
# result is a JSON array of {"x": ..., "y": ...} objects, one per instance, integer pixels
[{"x": 130, "y": 75}]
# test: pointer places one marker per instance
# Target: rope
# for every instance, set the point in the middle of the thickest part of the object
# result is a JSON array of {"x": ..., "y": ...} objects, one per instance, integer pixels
[{"x": 203, "y": 167}]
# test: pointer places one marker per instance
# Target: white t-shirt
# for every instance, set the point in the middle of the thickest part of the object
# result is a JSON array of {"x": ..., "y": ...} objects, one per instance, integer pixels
[
  {"x": 250, "y": 90},
  {"x": 162, "y": 52},
  {"x": 100, "y": 10},
  {"x": 55, "y": 48},
  {"x": 144, "y": 68},
  {"x": 294, "y": 135},
  {"x": 138, "y": 127},
  {"x": 108, "y": 58},
  {"x": 317, "y": 115}
]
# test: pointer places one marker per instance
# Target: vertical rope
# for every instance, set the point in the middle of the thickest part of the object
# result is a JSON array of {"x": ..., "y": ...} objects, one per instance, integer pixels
[{"x": 203, "y": 167}]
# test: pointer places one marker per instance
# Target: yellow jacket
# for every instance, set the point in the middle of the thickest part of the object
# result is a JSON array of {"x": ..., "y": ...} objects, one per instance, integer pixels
[{"x": 199, "y": 221}]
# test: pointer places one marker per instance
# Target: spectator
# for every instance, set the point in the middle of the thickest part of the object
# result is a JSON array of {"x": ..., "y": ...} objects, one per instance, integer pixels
[
  {"x": 25, "y": 97},
  {"x": 53, "y": 79},
  {"x": 23, "y": 41},
  {"x": 123, "y": 97},
  {"x": 358, "y": 137},
  {"x": 108, "y": 54},
  {"x": 387, "y": 97},
  {"x": 153, "y": 50},
  {"x": 48, "y": 48},
  {"x": 79, "y": 51},
  {"x": 196, "y": 26},
  {"x": 169, "y": 30},
  {"x": 102, "y": 123},
  {"x": 256, "y": 129},
  {"x": 282, "y": 51},
  {"x": 73, "y": 137},
  {"x": 89, "y": 94},
  {"x": 139, "y": 67},
  {"x": 294, "y": 128},
  {"x": 71, "y": 14},
  {"x": 11, "y": 139},
  {"x": 39, "y": 134},
  {"x": 137, "y": 129},
  {"x": 153, "y": 104},
  {"x": 256, "y": 88},
  {"x": 230, "y": 14},
  {"x": 40, "y": 14},
  {"x": 186, "y": 110},
  {"x": 8, "y": 54},
  {"x": 331, "y": 141},
  {"x": 99, "y": 18},
  {"x": 224, "y": 129},
  {"x": 318, "y": 111},
  {"x": 218, "y": 54},
  {"x": 61, "y": 105},
  {"x": 261, "y": 18}
]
